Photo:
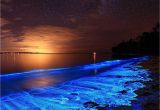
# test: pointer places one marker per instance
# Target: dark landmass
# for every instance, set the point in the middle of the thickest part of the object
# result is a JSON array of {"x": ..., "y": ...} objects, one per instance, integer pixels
[
  {"x": 125, "y": 56},
  {"x": 147, "y": 43}
]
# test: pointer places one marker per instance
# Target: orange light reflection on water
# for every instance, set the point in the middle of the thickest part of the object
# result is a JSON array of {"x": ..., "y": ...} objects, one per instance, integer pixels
[{"x": 39, "y": 82}]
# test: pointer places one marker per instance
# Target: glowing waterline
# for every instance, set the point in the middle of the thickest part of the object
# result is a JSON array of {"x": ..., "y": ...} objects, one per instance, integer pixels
[{"x": 113, "y": 87}]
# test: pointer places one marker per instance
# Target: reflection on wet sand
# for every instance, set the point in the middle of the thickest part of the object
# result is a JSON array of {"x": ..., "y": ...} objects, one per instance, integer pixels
[
  {"x": 94, "y": 59},
  {"x": 39, "y": 82}
]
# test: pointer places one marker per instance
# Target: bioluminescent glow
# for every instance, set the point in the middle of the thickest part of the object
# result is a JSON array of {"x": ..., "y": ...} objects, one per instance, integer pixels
[{"x": 108, "y": 87}]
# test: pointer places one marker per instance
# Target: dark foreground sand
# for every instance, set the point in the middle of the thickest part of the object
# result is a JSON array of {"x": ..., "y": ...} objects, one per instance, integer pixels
[{"x": 148, "y": 97}]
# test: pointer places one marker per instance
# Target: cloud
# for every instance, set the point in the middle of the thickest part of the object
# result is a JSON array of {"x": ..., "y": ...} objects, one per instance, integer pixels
[
  {"x": 80, "y": 24},
  {"x": 6, "y": 1},
  {"x": 50, "y": 33},
  {"x": 3, "y": 22},
  {"x": 43, "y": 38},
  {"x": 6, "y": 5},
  {"x": 5, "y": 32}
]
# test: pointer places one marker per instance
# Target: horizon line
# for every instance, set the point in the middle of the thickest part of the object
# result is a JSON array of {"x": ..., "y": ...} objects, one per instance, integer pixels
[{"x": 55, "y": 52}]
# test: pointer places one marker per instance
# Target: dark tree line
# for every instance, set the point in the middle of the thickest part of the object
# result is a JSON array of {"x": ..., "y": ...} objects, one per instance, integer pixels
[{"x": 147, "y": 43}]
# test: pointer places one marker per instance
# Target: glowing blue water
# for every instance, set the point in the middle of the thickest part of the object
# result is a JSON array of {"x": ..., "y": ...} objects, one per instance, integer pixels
[{"x": 114, "y": 86}]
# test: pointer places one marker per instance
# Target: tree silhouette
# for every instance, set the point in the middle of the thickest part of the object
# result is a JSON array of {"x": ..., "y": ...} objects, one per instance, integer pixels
[{"x": 147, "y": 43}]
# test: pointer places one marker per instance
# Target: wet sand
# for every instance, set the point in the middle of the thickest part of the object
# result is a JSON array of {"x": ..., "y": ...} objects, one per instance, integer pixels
[{"x": 149, "y": 96}]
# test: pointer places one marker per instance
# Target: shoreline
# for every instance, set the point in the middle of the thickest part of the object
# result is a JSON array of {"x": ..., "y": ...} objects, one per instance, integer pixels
[{"x": 148, "y": 97}]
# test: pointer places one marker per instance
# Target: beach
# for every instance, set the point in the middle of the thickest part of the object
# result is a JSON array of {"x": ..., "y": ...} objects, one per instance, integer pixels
[
  {"x": 148, "y": 97},
  {"x": 107, "y": 85}
]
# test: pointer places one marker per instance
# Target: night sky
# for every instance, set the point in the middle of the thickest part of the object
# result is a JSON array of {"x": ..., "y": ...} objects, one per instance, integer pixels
[{"x": 73, "y": 25}]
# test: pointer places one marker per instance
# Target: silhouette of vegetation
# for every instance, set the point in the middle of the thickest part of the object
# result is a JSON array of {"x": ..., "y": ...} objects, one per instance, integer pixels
[{"x": 147, "y": 43}]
